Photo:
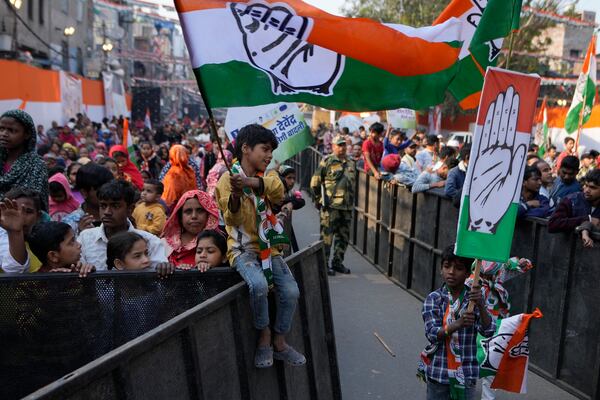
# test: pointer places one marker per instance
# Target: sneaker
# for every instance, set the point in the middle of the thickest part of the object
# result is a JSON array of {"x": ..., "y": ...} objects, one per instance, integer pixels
[
  {"x": 330, "y": 272},
  {"x": 263, "y": 358}
]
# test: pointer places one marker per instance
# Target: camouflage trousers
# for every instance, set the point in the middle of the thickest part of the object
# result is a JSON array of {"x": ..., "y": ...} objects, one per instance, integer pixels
[{"x": 335, "y": 224}]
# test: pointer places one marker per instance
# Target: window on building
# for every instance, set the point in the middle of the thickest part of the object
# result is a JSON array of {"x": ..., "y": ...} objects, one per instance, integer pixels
[
  {"x": 30, "y": 7},
  {"x": 41, "y": 12},
  {"x": 575, "y": 53},
  {"x": 79, "y": 61},
  {"x": 64, "y": 6}
]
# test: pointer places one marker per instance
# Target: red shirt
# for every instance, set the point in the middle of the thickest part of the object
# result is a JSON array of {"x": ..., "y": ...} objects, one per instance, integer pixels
[{"x": 375, "y": 151}]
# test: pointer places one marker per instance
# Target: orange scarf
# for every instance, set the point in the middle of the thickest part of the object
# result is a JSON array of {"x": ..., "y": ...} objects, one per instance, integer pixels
[{"x": 180, "y": 178}]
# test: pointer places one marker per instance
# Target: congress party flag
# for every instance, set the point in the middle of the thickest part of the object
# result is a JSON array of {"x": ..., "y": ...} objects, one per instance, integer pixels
[
  {"x": 253, "y": 52},
  {"x": 505, "y": 355},
  {"x": 585, "y": 92},
  {"x": 485, "y": 23},
  {"x": 492, "y": 189}
]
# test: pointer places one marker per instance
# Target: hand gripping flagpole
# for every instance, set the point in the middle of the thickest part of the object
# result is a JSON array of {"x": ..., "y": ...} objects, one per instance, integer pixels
[{"x": 471, "y": 305}]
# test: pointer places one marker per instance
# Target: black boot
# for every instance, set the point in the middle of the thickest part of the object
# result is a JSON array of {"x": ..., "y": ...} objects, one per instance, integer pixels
[
  {"x": 341, "y": 269},
  {"x": 330, "y": 271}
]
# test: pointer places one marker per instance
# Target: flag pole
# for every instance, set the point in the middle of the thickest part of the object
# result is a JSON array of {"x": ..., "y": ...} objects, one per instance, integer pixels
[
  {"x": 476, "y": 274},
  {"x": 580, "y": 125},
  {"x": 211, "y": 122},
  {"x": 510, "y": 48}
]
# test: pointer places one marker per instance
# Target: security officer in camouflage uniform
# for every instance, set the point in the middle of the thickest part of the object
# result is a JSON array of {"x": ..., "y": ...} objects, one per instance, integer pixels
[{"x": 333, "y": 188}]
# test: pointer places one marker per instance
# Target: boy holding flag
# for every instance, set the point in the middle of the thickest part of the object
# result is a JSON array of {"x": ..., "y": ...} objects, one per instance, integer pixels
[{"x": 450, "y": 362}]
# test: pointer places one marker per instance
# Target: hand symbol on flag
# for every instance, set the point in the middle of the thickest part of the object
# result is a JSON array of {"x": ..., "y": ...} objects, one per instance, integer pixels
[{"x": 497, "y": 169}]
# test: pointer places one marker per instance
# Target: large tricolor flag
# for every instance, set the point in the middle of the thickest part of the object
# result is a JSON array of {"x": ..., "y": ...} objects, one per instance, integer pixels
[
  {"x": 505, "y": 356},
  {"x": 128, "y": 140},
  {"x": 585, "y": 92},
  {"x": 485, "y": 23},
  {"x": 253, "y": 52},
  {"x": 492, "y": 189}
]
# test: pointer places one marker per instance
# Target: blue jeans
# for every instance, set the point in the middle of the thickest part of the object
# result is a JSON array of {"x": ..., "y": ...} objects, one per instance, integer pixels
[
  {"x": 286, "y": 291},
  {"x": 438, "y": 391}
]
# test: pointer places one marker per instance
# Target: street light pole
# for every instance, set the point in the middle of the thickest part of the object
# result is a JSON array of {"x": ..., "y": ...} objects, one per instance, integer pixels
[{"x": 16, "y": 4}]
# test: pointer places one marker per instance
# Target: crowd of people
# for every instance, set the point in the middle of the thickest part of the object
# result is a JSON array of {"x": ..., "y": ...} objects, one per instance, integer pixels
[
  {"x": 562, "y": 187},
  {"x": 74, "y": 198}
]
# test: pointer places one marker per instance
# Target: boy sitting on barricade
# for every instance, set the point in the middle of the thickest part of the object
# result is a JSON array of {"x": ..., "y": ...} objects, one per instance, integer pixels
[{"x": 245, "y": 196}]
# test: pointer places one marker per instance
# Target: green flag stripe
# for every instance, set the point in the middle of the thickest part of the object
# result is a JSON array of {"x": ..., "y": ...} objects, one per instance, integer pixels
[
  {"x": 572, "y": 120},
  {"x": 361, "y": 87}
]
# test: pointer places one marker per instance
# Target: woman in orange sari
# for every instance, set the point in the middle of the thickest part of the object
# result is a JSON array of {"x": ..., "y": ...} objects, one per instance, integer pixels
[{"x": 180, "y": 178}]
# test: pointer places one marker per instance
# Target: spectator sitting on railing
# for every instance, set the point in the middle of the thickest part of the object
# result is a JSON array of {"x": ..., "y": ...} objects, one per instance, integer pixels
[
  {"x": 372, "y": 150},
  {"x": 532, "y": 203},
  {"x": 436, "y": 178},
  {"x": 407, "y": 173},
  {"x": 429, "y": 155},
  {"x": 116, "y": 201},
  {"x": 566, "y": 183},
  {"x": 578, "y": 208},
  {"x": 395, "y": 141},
  {"x": 547, "y": 178},
  {"x": 243, "y": 198},
  {"x": 458, "y": 174},
  {"x": 54, "y": 244}
]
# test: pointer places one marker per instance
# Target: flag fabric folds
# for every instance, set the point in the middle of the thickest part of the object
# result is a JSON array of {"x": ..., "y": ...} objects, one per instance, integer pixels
[
  {"x": 542, "y": 138},
  {"x": 585, "y": 92},
  {"x": 486, "y": 24},
  {"x": 505, "y": 356},
  {"x": 254, "y": 52},
  {"x": 128, "y": 140}
]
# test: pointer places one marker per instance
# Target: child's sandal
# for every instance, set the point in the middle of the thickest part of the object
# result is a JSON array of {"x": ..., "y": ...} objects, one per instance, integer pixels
[
  {"x": 263, "y": 358},
  {"x": 290, "y": 356}
]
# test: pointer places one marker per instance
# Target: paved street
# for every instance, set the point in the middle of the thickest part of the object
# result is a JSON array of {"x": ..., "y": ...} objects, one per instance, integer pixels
[{"x": 366, "y": 302}]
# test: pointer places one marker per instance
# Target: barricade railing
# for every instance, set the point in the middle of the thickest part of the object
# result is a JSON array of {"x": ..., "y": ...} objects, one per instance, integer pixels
[
  {"x": 403, "y": 235},
  {"x": 205, "y": 352}
]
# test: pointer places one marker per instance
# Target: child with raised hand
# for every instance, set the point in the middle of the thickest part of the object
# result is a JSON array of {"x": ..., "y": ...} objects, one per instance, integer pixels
[
  {"x": 149, "y": 214},
  {"x": 245, "y": 198},
  {"x": 128, "y": 251},
  {"x": 449, "y": 363},
  {"x": 54, "y": 244}
]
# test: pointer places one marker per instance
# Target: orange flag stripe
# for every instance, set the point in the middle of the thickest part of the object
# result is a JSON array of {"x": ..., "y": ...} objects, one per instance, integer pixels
[
  {"x": 454, "y": 9},
  {"x": 591, "y": 52},
  {"x": 511, "y": 370},
  {"x": 361, "y": 39}
]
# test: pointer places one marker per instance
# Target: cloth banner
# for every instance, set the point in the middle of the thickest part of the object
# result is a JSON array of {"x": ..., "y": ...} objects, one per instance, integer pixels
[
  {"x": 492, "y": 189},
  {"x": 115, "y": 103},
  {"x": 71, "y": 96},
  {"x": 505, "y": 355},
  {"x": 285, "y": 120}
]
